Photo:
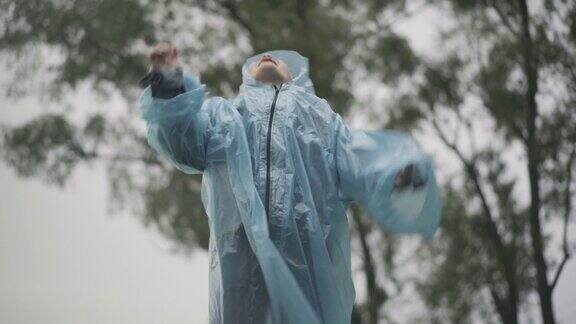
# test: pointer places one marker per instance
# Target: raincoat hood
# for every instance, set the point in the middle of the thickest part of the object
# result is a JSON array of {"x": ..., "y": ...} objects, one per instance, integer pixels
[{"x": 297, "y": 64}]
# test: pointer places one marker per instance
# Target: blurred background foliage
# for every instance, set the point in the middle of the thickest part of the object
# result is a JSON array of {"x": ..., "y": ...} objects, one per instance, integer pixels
[{"x": 496, "y": 96}]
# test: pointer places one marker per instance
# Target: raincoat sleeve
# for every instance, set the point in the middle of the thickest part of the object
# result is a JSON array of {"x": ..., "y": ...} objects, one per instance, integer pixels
[
  {"x": 178, "y": 127},
  {"x": 367, "y": 164}
]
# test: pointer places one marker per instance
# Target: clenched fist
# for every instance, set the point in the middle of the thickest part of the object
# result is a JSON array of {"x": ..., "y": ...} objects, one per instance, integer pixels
[{"x": 164, "y": 56}]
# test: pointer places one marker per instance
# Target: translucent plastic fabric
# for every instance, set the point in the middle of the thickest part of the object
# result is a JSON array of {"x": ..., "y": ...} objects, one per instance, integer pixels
[{"x": 292, "y": 265}]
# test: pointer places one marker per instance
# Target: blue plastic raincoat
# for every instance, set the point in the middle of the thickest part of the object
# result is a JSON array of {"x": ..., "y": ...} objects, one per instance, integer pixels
[{"x": 280, "y": 168}]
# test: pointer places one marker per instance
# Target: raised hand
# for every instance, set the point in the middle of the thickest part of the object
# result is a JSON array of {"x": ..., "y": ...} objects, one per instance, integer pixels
[
  {"x": 409, "y": 177},
  {"x": 164, "y": 56}
]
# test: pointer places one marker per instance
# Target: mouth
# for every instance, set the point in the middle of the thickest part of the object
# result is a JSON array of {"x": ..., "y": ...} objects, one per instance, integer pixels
[{"x": 267, "y": 59}]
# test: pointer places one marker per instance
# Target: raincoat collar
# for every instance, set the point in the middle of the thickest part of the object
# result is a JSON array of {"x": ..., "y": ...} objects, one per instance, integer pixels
[{"x": 297, "y": 64}]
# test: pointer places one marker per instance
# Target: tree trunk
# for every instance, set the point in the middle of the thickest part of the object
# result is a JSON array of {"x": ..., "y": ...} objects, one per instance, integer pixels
[
  {"x": 375, "y": 296},
  {"x": 507, "y": 310},
  {"x": 531, "y": 72}
]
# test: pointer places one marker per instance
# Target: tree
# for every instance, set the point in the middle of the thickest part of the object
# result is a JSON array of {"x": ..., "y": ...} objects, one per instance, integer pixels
[
  {"x": 501, "y": 67},
  {"x": 491, "y": 78},
  {"x": 103, "y": 43}
]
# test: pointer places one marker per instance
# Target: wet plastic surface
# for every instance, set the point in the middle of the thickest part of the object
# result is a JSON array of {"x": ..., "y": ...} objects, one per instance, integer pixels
[{"x": 292, "y": 265}]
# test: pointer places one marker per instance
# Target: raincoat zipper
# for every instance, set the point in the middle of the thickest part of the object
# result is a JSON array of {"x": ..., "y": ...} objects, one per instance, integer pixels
[{"x": 268, "y": 152}]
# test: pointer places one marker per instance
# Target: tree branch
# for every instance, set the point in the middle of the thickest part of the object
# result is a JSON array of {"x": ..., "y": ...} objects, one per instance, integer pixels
[
  {"x": 301, "y": 9},
  {"x": 501, "y": 247},
  {"x": 472, "y": 173},
  {"x": 503, "y": 17},
  {"x": 500, "y": 308},
  {"x": 234, "y": 13},
  {"x": 567, "y": 211},
  {"x": 117, "y": 157}
]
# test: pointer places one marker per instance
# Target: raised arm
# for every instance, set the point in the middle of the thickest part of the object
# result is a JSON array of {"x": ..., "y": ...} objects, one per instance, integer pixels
[
  {"x": 387, "y": 173},
  {"x": 172, "y": 104}
]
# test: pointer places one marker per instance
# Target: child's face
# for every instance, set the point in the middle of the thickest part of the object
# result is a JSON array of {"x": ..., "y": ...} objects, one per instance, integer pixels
[{"x": 270, "y": 70}]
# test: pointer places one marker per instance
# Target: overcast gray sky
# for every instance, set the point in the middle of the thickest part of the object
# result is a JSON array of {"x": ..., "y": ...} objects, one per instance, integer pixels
[{"x": 64, "y": 260}]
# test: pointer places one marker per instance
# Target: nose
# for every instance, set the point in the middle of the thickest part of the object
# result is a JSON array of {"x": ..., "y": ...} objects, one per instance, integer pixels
[{"x": 266, "y": 56}]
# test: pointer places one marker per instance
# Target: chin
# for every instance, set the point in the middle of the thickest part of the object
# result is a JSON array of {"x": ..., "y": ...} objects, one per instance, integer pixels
[
  {"x": 268, "y": 73},
  {"x": 268, "y": 68}
]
